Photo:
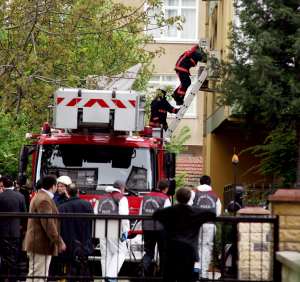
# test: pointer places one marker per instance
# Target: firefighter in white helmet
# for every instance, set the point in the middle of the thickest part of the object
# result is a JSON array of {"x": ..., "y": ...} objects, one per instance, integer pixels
[{"x": 61, "y": 195}]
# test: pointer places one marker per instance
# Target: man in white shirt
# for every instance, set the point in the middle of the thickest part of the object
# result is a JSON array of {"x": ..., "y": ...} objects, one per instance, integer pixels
[
  {"x": 208, "y": 200},
  {"x": 112, "y": 234}
]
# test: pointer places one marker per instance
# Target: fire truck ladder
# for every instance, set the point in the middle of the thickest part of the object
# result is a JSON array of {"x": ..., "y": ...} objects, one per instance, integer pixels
[{"x": 191, "y": 93}]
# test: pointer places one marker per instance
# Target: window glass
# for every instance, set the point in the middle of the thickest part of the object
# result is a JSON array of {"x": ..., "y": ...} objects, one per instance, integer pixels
[
  {"x": 172, "y": 8},
  {"x": 171, "y": 2},
  {"x": 152, "y": 27},
  {"x": 93, "y": 167},
  {"x": 188, "y": 30},
  {"x": 171, "y": 30},
  {"x": 189, "y": 3}
]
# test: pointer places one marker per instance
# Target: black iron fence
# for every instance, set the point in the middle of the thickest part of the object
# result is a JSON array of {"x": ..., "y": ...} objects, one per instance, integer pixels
[
  {"x": 242, "y": 248},
  {"x": 248, "y": 194}
]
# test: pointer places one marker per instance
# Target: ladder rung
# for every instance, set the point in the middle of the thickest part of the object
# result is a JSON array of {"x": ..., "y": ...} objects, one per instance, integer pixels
[{"x": 190, "y": 95}]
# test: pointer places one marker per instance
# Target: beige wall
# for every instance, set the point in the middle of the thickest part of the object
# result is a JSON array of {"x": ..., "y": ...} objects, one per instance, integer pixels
[
  {"x": 225, "y": 135},
  {"x": 218, "y": 30},
  {"x": 165, "y": 64},
  {"x": 218, "y": 150},
  {"x": 289, "y": 220}
]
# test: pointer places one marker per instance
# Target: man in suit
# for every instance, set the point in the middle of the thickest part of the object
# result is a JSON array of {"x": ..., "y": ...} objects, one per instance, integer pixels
[
  {"x": 42, "y": 239},
  {"x": 76, "y": 233},
  {"x": 182, "y": 223},
  {"x": 10, "y": 228}
]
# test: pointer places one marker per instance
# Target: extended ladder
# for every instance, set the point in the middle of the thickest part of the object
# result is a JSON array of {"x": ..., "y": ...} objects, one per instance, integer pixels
[{"x": 190, "y": 95}]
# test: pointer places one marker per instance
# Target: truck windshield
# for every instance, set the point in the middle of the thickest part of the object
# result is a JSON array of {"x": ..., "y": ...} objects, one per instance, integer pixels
[{"x": 92, "y": 167}]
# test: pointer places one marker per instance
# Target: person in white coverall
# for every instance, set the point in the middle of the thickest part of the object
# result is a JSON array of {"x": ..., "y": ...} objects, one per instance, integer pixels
[
  {"x": 112, "y": 234},
  {"x": 207, "y": 200}
]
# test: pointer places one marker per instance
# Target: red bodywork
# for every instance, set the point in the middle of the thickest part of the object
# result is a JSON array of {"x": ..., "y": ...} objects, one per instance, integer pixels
[{"x": 110, "y": 140}]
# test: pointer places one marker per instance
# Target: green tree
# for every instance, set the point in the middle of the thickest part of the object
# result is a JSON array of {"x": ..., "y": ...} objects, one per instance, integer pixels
[
  {"x": 262, "y": 79},
  {"x": 176, "y": 146},
  {"x": 12, "y": 136},
  {"x": 47, "y": 44}
]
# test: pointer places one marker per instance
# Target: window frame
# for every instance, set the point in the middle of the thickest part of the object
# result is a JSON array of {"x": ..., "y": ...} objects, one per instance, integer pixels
[{"x": 178, "y": 39}]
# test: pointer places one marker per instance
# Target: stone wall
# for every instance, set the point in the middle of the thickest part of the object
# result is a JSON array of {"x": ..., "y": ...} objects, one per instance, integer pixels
[
  {"x": 290, "y": 262},
  {"x": 286, "y": 204},
  {"x": 255, "y": 248}
]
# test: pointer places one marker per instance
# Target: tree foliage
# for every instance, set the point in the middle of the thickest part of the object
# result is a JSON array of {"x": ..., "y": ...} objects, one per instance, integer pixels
[
  {"x": 262, "y": 79},
  {"x": 12, "y": 136},
  {"x": 47, "y": 44}
]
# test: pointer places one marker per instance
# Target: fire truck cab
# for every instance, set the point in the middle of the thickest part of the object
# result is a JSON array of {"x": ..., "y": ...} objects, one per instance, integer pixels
[{"x": 98, "y": 137}]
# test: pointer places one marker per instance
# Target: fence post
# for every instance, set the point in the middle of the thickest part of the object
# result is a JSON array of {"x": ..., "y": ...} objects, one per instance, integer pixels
[{"x": 276, "y": 263}]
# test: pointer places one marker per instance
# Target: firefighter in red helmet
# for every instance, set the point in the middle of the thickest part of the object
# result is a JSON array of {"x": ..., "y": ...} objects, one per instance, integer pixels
[
  {"x": 159, "y": 109},
  {"x": 188, "y": 59}
]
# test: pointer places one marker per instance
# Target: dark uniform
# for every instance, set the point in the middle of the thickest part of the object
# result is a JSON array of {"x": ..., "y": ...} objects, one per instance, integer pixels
[
  {"x": 188, "y": 59},
  {"x": 109, "y": 203},
  {"x": 181, "y": 223},
  {"x": 10, "y": 234},
  {"x": 77, "y": 234},
  {"x": 159, "y": 109},
  {"x": 60, "y": 199},
  {"x": 153, "y": 230}
]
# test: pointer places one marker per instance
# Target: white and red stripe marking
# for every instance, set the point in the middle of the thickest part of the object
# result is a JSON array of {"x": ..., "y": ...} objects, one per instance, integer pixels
[{"x": 96, "y": 102}]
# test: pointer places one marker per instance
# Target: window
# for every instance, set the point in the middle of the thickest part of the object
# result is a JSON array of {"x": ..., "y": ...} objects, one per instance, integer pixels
[
  {"x": 211, "y": 6},
  {"x": 171, "y": 8},
  {"x": 172, "y": 80},
  {"x": 93, "y": 167}
]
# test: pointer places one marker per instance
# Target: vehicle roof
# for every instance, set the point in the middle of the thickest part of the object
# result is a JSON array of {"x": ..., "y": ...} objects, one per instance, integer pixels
[{"x": 99, "y": 139}]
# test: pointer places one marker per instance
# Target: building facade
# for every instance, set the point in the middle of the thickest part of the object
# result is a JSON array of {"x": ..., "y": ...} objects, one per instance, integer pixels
[
  {"x": 224, "y": 133},
  {"x": 175, "y": 42}
]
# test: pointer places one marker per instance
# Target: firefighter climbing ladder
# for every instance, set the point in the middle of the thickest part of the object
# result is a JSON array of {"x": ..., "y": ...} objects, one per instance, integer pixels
[{"x": 191, "y": 93}]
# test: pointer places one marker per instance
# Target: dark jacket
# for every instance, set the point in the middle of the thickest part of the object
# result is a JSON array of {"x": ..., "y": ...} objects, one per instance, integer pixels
[
  {"x": 11, "y": 201},
  {"x": 159, "y": 109},
  {"x": 152, "y": 202},
  {"x": 77, "y": 232},
  {"x": 182, "y": 224},
  {"x": 189, "y": 59},
  {"x": 60, "y": 198}
]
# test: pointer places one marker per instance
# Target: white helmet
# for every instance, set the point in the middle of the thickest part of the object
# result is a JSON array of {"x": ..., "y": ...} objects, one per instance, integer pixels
[{"x": 64, "y": 179}]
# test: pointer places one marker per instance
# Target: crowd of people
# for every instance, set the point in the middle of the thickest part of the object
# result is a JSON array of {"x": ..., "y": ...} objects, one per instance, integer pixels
[{"x": 62, "y": 246}]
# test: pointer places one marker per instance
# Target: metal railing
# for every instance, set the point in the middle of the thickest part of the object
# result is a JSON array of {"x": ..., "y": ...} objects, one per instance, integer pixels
[
  {"x": 252, "y": 194},
  {"x": 243, "y": 249}
]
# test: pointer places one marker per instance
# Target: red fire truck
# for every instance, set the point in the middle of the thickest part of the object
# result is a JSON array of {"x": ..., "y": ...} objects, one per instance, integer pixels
[{"x": 99, "y": 137}]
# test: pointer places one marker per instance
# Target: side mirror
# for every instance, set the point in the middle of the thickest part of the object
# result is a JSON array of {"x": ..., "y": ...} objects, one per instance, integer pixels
[
  {"x": 172, "y": 187},
  {"x": 25, "y": 152},
  {"x": 170, "y": 165},
  {"x": 170, "y": 169}
]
